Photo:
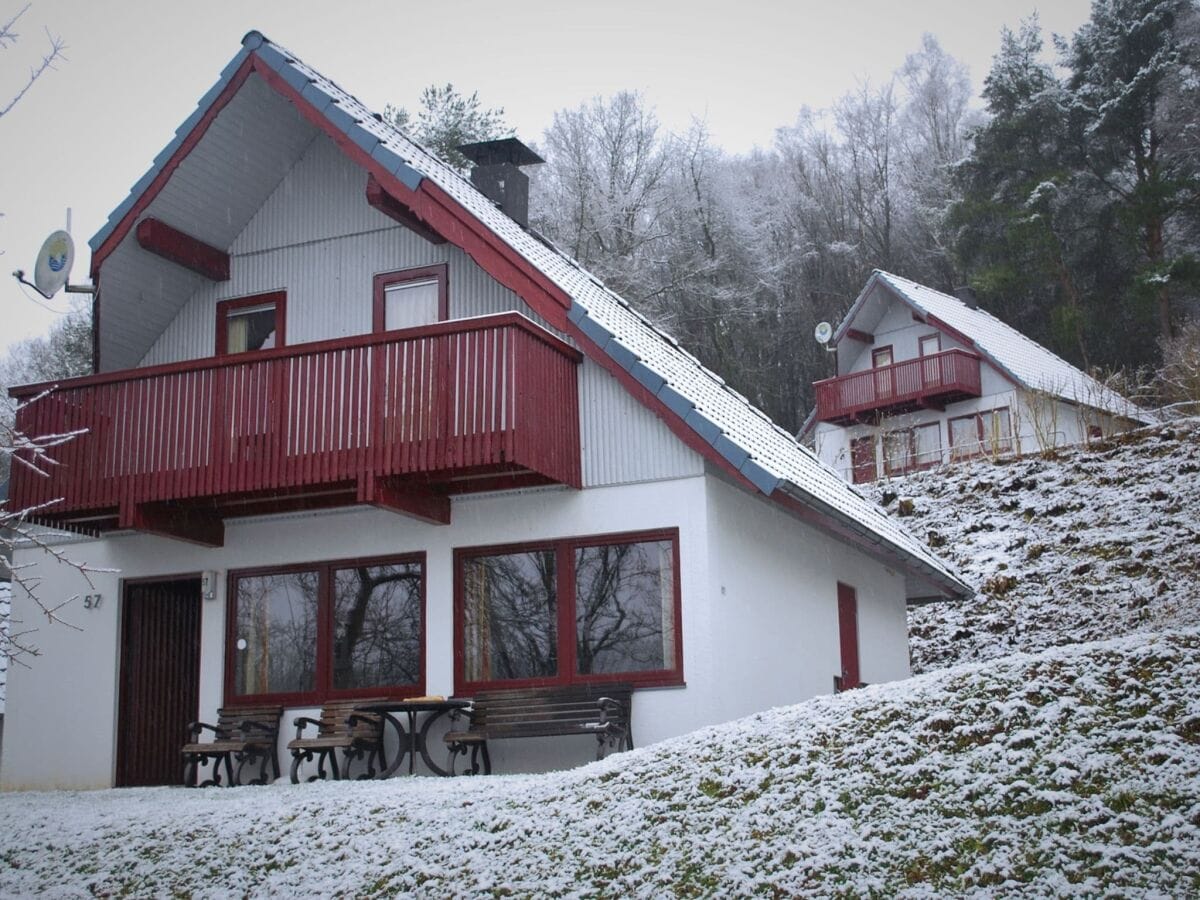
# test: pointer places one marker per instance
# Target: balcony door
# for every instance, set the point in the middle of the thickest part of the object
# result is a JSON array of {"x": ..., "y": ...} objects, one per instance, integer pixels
[
  {"x": 931, "y": 364},
  {"x": 881, "y": 358},
  {"x": 159, "y": 681}
]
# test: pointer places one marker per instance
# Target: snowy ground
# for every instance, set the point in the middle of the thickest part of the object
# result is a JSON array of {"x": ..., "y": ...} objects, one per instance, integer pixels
[
  {"x": 1076, "y": 771},
  {"x": 1103, "y": 541}
]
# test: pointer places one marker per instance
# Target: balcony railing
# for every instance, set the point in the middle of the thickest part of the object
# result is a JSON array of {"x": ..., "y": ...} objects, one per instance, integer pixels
[
  {"x": 439, "y": 408},
  {"x": 932, "y": 380}
]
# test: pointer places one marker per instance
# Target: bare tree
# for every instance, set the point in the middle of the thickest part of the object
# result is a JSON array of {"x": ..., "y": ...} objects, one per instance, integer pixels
[{"x": 32, "y": 453}]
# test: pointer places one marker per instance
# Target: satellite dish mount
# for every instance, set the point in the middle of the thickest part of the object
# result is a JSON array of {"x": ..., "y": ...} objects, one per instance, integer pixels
[
  {"x": 52, "y": 271},
  {"x": 822, "y": 333}
]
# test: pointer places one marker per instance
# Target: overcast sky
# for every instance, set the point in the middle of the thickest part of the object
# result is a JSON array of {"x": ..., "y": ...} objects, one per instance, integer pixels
[{"x": 134, "y": 71}]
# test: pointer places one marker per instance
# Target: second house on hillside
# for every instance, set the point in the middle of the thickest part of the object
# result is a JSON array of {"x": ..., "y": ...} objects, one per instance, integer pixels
[
  {"x": 925, "y": 378},
  {"x": 357, "y": 431}
]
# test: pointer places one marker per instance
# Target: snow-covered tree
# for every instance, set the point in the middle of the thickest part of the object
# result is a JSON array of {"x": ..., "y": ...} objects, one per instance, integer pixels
[{"x": 447, "y": 119}]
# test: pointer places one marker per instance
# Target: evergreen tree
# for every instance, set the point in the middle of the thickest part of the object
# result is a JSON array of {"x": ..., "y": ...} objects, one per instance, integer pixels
[{"x": 446, "y": 120}]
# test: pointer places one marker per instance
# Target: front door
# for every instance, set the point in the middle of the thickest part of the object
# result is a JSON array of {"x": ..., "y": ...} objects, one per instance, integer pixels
[
  {"x": 862, "y": 459},
  {"x": 160, "y": 679}
]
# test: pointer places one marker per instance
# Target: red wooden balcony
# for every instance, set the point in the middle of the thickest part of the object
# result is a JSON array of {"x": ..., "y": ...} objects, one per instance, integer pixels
[
  {"x": 400, "y": 420},
  {"x": 928, "y": 382}
]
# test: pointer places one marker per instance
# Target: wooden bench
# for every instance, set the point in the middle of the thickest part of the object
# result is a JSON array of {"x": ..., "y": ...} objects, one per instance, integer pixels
[
  {"x": 600, "y": 710},
  {"x": 341, "y": 727},
  {"x": 246, "y": 733}
]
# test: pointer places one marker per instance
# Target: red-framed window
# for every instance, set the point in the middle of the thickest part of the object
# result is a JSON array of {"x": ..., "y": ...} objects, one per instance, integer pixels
[
  {"x": 257, "y": 322},
  {"x": 304, "y": 633},
  {"x": 410, "y": 298},
  {"x": 912, "y": 449},
  {"x": 989, "y": 431},
  {"x": 587, "y": 609},
  {"x": 881, "y": 356},
  {"x": 929, "y": 344}
]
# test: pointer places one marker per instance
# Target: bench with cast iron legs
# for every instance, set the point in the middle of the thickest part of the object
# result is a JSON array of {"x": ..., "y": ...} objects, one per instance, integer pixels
[
  {"x": 247, "y": 734},
  {"x": 599, "y": 710}
]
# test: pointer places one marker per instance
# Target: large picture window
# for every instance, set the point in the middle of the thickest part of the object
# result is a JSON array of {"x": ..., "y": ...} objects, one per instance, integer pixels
[
  {"x": 987, "y": 432},
  {"x": 912, "y": 449},
  {"x": 304, "y": 633},
  {"x": 578, "y": 610}
]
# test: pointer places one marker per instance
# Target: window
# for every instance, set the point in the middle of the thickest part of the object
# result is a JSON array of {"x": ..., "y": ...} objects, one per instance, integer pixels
[
  {"x": 579, "y": 610},
  {"x": 251, "y": 323},
  {"x": 303, "y": 633},
  {"x": 985, "y": 432},
  {"x": 930, "y": 344},
  {"x": 411, "y": 297},
  {"x": 910, "y": 449},
  {"x": 881, "y": 357}
]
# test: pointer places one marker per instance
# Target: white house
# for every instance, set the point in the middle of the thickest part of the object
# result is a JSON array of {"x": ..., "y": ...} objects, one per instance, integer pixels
[
  {"x": 355, "y": 430},
  {"x": 924, "y": 378}
]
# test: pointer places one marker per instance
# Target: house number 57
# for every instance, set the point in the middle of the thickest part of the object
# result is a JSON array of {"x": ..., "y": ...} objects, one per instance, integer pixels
[{"x": 92, "y": 601}]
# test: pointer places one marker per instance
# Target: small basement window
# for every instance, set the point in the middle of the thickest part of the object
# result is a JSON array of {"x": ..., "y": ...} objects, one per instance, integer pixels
[{"x": 250, "y": 323}]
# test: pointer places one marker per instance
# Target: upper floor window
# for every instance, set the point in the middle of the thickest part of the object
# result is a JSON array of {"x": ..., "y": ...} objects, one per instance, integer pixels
[
  {"x": 411, "y": 297},
  {"x": 585, "y": 609},
  {"x": 881, "y": 356},
  {"x": 930, "y": 344},
  {"x": 251, "y": 323}
]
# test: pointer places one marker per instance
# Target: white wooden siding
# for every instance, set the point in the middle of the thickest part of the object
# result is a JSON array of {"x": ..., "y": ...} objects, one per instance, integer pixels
[
  {"x": 622, "y": 440},
  {"x": 317, "y": 238}
]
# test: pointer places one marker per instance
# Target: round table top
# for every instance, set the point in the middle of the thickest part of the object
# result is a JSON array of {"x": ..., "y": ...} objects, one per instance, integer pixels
[{"x": 417, "y": 704}]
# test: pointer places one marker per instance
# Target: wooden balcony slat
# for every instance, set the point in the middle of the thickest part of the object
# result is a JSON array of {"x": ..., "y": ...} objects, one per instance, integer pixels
[
  {"x": 951, "y": 373},
  {"x": 431, "y": 400}
]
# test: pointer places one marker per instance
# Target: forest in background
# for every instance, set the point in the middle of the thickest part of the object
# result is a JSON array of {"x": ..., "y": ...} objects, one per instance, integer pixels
[{"x": 1067, "y": 193}]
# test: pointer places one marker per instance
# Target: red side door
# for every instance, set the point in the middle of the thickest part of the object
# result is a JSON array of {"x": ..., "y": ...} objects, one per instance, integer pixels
[
  {"x": 862, "y": 459},
  {"x": 848, "y": 638}
]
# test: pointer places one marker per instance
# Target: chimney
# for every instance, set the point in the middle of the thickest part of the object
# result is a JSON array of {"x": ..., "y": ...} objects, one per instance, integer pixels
[
  {"x": 497, "y": 174},
  {"x": 966, "y": 294}
]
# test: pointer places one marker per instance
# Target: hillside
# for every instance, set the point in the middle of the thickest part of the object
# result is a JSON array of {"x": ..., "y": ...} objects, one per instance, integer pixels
[
  {"x": 1100, "y": 542},
  {"x": 1075, "y": 771}
]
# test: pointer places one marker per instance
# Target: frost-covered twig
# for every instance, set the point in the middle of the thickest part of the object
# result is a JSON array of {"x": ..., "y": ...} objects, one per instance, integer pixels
[{"x": 8, "y": 37}]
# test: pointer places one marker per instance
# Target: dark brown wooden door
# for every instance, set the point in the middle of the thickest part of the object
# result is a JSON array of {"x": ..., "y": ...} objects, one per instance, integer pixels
[
  {"x": 848, "y": 637},
  {"x": 862, "y": 459},
  {"x": 160, "y": 679}
]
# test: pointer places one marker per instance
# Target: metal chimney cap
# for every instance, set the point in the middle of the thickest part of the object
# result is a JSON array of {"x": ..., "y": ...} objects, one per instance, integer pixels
[{"x": 506, "y": 150}]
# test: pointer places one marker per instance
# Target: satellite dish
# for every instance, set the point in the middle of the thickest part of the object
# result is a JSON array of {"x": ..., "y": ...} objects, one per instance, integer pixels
[
  {"x": 823, "y": 333},
  {"x": 53, "y": 266}
]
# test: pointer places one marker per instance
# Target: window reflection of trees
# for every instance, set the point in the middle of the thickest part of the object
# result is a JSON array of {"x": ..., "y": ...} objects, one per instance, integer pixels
[
  {"x": 510, "y": 616},
  {"x": 277, "y": 617},
  {"x": 377, "y": 626},
  {"x": 624, "y": 607}
]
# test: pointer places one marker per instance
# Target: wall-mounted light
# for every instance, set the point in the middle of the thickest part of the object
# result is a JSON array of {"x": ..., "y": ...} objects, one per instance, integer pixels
[{"x": 208, "y": 585}]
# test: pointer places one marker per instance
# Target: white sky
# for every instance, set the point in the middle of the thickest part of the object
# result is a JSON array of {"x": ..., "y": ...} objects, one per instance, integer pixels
[{"x": 86, "y": 132}]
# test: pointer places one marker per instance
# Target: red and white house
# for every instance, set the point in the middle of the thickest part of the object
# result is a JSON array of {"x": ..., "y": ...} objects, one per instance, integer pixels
[
  {"x": 924, "y": 378},
  {"x": 356, "y": 431}
]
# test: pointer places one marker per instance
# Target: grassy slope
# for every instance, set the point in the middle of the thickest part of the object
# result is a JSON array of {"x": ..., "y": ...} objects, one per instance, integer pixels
[
  {"x": 1101, "y": 542},
  {"x": 1075, "y": 770}
]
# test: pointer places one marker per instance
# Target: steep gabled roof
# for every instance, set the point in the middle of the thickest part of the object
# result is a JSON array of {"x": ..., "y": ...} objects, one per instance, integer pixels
[
  {"x": 695, "y": 402},
  {"x": 1025, "y": 361}
]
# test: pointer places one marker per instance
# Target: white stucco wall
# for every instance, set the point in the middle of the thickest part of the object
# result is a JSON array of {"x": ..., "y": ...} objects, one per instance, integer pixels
[
  {"x": 758, "y": 601},
  {"x": 61, "y": 723},
  {"x": 774, "y": 606}
]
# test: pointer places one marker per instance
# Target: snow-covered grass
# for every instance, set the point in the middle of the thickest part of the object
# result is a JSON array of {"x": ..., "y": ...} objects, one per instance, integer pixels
[
  {"x": 1074, "y": 771},
  {"x": 1102, "y": 541}
]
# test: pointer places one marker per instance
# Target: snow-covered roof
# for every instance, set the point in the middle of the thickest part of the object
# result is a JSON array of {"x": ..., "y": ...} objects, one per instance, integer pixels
[
  {"x": 1026, "y": 361},
  {"x": 763, "y": 453}
]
